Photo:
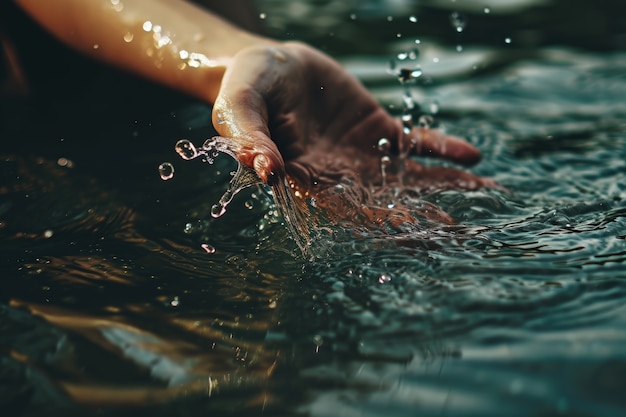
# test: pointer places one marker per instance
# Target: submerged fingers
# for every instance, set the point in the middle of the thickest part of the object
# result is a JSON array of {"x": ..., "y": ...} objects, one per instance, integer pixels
[{"x": 433, "y": 142}]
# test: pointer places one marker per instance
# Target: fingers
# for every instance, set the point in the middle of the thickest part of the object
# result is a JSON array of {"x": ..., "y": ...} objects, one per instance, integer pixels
[
  {"x": 433, "y": 142},
  {"x": 441, "y": 178},
  {"x": 244, "y": 122},
  {"x": 240, "y": 113}
]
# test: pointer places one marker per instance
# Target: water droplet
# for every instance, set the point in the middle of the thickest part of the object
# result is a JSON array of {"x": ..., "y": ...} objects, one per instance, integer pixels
[
  {"x": 186, "y": 149},
  {"x": 410, "y": 54},
  {"x": 487, "y": 10},
  {"x": 188, "y": 228},
  {"x": 407, "y": 75},
  {"x": 118, "y": 6},
  {"x": 48, "y": 234},
  {"x": 318, "y": 340},
  {"x": 409, "y": 105},
  {"x": 459, "y": 48},
  {"x": 128, "y": 37},
  {"x": 384, "y": 278},
  {"x": 385, "y": 161},
  {"x": 166, "y": 171},
  {"x": 434, "y": 107},
  {"x": 507, "y": 40},
  {"x": 413, "y": 19},
  {"x": 262, "y": 16},
  {"x": 249, "y": 204},
  {"x": 339, "y": 189},
  {"x": 175, "y": 302},
  {"x": 64, "y": 162},
  {"x": 353, "y": 16},
  {"x": 208, "y": 248},
  {"x": 426, "y": 121},
  {"x": 384, "y": 145},
  {"x": 458, "y": 21}
]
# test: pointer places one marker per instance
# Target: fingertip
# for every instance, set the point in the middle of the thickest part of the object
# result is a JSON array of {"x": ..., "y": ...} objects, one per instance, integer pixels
[
  {"x": 268, "y": 165},
  {"x": 261, "y": 165},
  {"x": 465, "y": 153},
  {"x": 434, "y": 142}
]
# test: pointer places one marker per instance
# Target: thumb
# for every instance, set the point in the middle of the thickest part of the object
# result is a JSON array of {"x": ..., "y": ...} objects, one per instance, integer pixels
[{"x": 241, "y": 115}]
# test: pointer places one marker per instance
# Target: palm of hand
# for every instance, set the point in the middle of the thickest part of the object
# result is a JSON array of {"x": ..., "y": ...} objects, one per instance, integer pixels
[{"x": 291, "y": 109}]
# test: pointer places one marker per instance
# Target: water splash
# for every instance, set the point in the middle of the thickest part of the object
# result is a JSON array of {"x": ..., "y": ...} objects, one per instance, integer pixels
[
  {"x": 242, "y": 178},
  {"x": 297, "y": 216},
  {"x": 294, "y": 210}
]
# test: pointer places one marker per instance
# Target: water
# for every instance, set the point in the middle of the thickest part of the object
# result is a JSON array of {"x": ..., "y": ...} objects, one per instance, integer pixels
[{"x": 121, "y": 294}]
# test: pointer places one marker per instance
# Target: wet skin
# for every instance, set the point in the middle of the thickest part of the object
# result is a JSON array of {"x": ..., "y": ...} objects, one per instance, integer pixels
[{"x": 293, "y": 111}]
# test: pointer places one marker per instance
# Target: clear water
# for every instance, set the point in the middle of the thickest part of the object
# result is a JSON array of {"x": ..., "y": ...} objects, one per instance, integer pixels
[{"x": 121, "y": 294}]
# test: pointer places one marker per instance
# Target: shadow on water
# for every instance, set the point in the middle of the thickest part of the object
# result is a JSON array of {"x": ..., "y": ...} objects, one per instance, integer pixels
[{"x": 121, "y": 294}]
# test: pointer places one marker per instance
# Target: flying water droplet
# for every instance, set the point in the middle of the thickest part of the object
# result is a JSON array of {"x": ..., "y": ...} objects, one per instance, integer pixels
[
  {"x": 413, "y": 19},
  {"x": 408, "y": 55},
  {"x": 318, "y": 340},
  {"x": 208, "y": 248},
  {"x": 458, "y": 21},
  {"x": 384, "y": 145},
  {"x": 384, "y": 278},
  {"x": 166, "y": 171},
  {"x": 186, "y": 149},
  {"x": 434, "y": 107},
  {"x": 426, "y": 121}
]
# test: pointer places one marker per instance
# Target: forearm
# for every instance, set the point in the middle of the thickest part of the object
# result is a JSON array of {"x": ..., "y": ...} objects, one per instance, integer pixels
[{"x": 169, "y": 41}]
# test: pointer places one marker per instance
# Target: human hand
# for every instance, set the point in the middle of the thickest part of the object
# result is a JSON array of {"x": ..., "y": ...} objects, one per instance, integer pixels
[{"x": 291, "y": 109}]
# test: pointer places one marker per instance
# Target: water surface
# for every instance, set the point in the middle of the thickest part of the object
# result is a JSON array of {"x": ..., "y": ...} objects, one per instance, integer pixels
[{"x": 119, "y": 291}]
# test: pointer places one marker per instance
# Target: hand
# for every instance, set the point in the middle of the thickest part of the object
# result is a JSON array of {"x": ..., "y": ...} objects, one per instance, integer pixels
[{"x": 293, "y": 110}]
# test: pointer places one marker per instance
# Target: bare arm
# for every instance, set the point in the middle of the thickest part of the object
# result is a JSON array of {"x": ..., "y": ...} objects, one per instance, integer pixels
[
  {"x": 172, "y": 42},
  {"x": 275, "y": 101}
]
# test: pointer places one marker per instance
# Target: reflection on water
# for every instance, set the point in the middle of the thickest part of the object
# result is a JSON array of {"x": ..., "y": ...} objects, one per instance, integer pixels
[{"x": 121, "y": 293}]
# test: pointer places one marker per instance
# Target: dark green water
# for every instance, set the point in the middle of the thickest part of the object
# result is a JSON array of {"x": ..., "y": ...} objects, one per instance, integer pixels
[{"x": 110, "y": 304}]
